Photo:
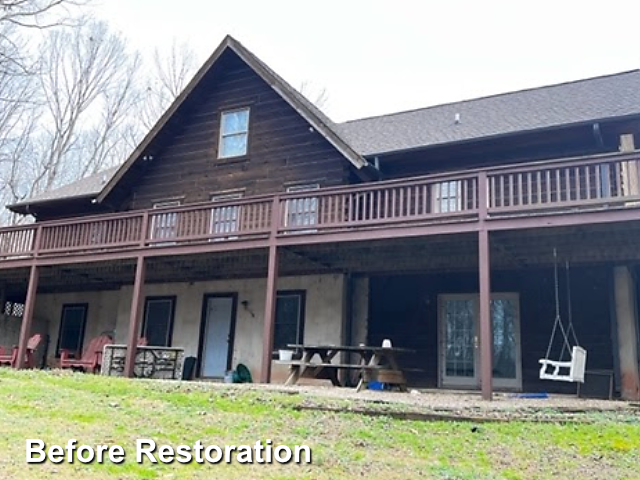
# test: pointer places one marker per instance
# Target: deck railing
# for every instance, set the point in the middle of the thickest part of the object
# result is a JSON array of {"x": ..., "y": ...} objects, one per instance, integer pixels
[
  {"x": 379, "y": 204},
  {"x": 561, "y": 184},
  {"x": 570, "y": 184}
]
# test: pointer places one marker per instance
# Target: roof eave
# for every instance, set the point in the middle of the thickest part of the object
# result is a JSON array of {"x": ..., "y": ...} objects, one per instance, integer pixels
[{"x": 24, "y": 207}]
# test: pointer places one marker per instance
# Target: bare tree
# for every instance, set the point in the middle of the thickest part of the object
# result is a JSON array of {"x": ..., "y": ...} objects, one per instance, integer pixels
[
  {"x": 316, "y": 95},
  {"x": 167, "y": 76},
  {"x": 87, "y": 82},
  {"x": 38, "y": 13},
  {"x": 84, "y": 107}
]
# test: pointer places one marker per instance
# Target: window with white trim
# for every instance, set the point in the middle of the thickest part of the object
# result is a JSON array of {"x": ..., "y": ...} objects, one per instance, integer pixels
[
  {"x": 225, "y": 219},
  {"x": 302, "y": 211},
  {"x": 448, "y": 196},
  {"x": 234, "y": 133},
  {"x": 164, "y": 225}
]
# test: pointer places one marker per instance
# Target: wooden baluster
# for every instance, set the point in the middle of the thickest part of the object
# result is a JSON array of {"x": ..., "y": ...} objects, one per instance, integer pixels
[
  {"x": 511, "y": 189},
  {"x": 386, "y": 203},
  {"x": 463, "y": 194},
  {"x": 598, "y": 173},
  {"x": 548, "y": 185},
  {"x": 618, "y": 167},
  {"x": 519, "y": 193},
  {"x": 492, "y": 197},
  {"x": 539, "y": 187},
  {"x": 588, "y": 178},
  {"x": 578, "y": 183},
  {"x": 393, "y": 203}
]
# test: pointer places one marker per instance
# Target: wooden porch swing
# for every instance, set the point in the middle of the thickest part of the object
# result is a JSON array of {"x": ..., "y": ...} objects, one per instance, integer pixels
[{"x": 571, "y": 370}]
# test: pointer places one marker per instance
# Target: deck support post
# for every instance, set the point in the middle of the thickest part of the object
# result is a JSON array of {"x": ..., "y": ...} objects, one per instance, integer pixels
[
  {"x": 627, "y": 327},
  {"x": 271, "y": 293},
  {"x": 135, "y": 317},
  {"x": 484, "y": 268},
  {"x": 269, "y": 315},
  {"x": 486, "y": 335},
  {"x": 27, "y": 317}
]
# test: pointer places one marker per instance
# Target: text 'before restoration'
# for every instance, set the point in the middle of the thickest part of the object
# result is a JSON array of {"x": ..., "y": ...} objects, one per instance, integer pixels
[{"x": 148, "y": 451}]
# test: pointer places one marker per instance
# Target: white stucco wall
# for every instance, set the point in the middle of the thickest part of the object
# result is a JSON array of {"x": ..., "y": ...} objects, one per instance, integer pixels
[
  {"x": 360, "y": 310},
  {"x": 324, "y": 315},
  {"x": 101, "y": 313}
]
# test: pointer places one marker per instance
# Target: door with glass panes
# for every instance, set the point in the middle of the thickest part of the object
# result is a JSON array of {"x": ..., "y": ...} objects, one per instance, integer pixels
[{"x": 459, "y": 344}]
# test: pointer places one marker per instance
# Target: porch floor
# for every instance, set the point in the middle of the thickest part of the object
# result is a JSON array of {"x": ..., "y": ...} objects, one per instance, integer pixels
[{"x": 447, "y": 404}]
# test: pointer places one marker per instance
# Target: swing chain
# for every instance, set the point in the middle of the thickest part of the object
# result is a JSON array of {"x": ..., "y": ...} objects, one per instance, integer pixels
[{"x": 558, "y": 320}]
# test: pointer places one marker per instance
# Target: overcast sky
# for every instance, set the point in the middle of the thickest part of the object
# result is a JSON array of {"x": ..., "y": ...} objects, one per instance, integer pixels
[{"x": 377, "y": 57}]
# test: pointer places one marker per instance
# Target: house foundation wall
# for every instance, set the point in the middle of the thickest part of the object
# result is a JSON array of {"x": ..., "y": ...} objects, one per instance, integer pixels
[{"x": 108, "y": 311}]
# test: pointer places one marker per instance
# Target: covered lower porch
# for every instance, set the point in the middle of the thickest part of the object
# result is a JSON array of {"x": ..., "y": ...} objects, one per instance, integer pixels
[{"x": 427, "y": 293}]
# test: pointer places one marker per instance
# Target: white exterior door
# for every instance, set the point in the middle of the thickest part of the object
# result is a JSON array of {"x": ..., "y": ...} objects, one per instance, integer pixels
[{"x": 217, "y": 335}]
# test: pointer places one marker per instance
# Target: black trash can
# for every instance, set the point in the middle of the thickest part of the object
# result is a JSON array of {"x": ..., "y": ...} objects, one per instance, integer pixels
[{"x": 188, "y": 370}]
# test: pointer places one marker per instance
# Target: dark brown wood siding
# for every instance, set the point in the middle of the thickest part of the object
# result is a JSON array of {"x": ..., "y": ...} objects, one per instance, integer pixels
[
  {"x": 283, "y": 149},
  {"x": 517, "y": 148},
  {"x": 405, "y": 310}
]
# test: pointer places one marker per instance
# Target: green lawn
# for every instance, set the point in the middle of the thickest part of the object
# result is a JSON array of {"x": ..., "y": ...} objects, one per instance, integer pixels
[{"x": 96, "y": 410}]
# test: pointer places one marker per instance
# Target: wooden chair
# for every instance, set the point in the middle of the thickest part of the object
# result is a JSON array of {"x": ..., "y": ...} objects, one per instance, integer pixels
[
  {"x": 11, "y": 358},
  {"x": 91, "y": 360}
]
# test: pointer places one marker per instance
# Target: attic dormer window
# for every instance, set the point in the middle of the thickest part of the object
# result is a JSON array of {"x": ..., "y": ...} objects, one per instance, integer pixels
[{"x": 234, "y": 133}]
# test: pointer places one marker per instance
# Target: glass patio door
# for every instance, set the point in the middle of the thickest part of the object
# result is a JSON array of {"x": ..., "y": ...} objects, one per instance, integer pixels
[
  {"x": 458, "y": 337},
  {"x": 459, "y": 341},
  {"x": 505, "y": 316}
]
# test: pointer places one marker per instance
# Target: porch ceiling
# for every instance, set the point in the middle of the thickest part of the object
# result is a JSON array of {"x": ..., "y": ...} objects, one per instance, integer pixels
[{"x": 587, "y": 244}]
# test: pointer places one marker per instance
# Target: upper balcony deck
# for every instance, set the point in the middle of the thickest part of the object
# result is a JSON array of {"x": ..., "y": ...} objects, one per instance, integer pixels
[{"x": 569, "y": 191}]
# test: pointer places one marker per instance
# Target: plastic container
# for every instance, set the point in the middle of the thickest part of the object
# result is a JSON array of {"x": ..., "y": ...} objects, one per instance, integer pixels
[
  {"x": 228, "y": 377},
  {"x": 375, "y": 386},
  {"x": 286, "y": 355}
]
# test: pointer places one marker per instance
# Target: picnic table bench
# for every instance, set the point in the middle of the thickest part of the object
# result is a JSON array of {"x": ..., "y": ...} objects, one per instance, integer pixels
[{"x": 374, "y": 364}]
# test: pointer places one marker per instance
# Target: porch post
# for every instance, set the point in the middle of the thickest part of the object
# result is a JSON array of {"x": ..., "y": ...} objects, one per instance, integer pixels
[
  {"x": 27, "y": 316},
  {"x": 269, "y": 315},
  {"x": 484, "y": 267},
  {"x": 271, "y": 294},
  {"x": 135, "y": 316},
  {"x": 627, "y": 326}
]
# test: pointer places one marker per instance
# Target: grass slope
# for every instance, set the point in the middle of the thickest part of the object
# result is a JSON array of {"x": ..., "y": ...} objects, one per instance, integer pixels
[{"x": 57, "y": 406}]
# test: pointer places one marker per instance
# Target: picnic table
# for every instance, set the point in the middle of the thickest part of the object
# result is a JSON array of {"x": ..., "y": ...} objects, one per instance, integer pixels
[{"x": 373, "y": 363}]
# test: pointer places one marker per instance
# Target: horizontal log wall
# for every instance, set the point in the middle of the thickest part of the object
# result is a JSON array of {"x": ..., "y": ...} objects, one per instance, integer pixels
[{"x": 283, "y": 149}]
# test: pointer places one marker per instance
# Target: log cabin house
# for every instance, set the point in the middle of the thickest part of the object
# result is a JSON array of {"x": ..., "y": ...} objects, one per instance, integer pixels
[{"x": 247, "y": 219}]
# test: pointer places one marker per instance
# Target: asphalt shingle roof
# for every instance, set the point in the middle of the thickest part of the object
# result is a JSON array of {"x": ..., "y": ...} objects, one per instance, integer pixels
[
  {"x": 85, "y": 187},
  {"x": 581, "y": 101},
  {"x": 543, "y": 107}
]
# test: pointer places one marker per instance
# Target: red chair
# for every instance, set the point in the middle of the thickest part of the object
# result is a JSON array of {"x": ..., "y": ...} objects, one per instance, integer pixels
[
  {"x": 11, "y": 358},
  {"x": 91, "y": 360}
]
